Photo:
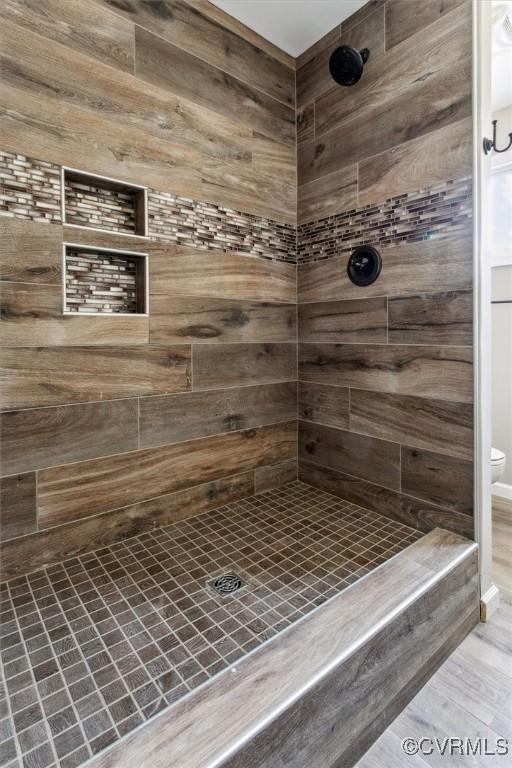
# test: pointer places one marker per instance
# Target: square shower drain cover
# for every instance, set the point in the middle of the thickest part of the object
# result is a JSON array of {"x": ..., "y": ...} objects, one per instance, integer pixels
[{"x": 227, "y": 584}]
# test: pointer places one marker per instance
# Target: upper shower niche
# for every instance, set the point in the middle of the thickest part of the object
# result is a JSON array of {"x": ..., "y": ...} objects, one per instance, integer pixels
[{"x": 99, "y": 202}]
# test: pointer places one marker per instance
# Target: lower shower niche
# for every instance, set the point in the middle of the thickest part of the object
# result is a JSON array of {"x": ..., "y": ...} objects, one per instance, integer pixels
[{"x": 99, "y": 281}]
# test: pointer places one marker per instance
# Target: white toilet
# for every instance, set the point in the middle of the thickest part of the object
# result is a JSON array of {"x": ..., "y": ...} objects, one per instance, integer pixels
[{"x": 498, "y": 461}]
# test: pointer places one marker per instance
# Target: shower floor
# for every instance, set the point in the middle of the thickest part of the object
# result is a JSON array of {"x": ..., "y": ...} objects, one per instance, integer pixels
[{"x": 98, "y": 644}]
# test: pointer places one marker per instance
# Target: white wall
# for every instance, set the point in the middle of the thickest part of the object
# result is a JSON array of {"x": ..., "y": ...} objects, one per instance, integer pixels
[{"x": 502, "y": 367}]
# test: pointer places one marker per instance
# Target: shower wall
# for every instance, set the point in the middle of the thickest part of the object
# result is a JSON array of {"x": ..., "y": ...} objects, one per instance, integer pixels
[
  {"x": 385, "y": 392},
  {"x": 113, "y": 424}
]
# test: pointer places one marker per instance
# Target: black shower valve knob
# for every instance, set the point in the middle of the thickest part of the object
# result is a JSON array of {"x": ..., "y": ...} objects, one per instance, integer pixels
[{"x": 364, "y": 265}]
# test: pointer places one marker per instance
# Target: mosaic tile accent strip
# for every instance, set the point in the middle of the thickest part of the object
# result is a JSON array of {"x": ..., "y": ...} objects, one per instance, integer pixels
[
  {"x": 184, "y": 221},
  {"x": 99, "y": 207},
  {"x": 29, "y": 189},
  {"x": 100, "y": 643},
  {"x": 435, "y": 212},
  {"x": 100, "y": 282}
]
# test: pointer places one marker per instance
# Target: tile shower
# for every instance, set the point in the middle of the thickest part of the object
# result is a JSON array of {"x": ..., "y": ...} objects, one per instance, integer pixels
[{"x": 180, "y": 340}]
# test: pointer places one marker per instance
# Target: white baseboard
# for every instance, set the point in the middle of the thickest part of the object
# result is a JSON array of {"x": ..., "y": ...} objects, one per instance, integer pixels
[
  {"x": 503, "y": 490},
  {"x": 489, "y": 602}
]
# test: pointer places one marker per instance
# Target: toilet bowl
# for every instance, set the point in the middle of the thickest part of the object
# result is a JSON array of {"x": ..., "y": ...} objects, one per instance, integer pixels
[{"x": 498, "y": 460}]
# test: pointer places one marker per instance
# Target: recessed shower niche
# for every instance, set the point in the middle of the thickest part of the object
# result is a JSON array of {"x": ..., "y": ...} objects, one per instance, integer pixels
[
  {"x": 99, "y": 202},
  {"x": 104, "y": 281}
]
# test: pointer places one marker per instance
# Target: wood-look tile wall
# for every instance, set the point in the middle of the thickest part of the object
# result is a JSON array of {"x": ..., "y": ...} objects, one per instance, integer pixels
[
  {"x": 162, "y": 94},
  {"x": 386, "y": 380},
  {"x": 112, "y": 424}
]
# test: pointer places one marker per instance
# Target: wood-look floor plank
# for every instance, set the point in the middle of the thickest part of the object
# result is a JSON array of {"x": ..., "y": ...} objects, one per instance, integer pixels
[
  {"x": 442, "y": 154},
  {"x": 428, "y": 266},
  {"x": 86, "y": 488},
  {"x": 438, "y": 479},
  {"x": 43, "y": 437},
  {"x": 231, "y": 365},
  {"x": 436, "y": 318},
  {"x": 354, "y": 320},
  {"x": 443, "y": 373},
  {"x": 174, "y": 418},
  {"x": 436, "y": 425},
  {"x": 324, "y": 404},
  {"x": 368, "y": 458},
  {"x": 405, "y": 18},
  {"x": 32, "y": 315},
  {"x": 18, "y": 507},
  {"x": 51, "y": 546},
  {"x": 397, "y": 506},
  {"x": 83, "y": 27},
  {"x": 29, "y": 252},
  {"x": 185, "y": 271},
  {"x": 179, "y": 319},
  {"x": 164, "y": 64},
  {"x": 185, "y": 25},
  {"x": 39, "y": 376}
]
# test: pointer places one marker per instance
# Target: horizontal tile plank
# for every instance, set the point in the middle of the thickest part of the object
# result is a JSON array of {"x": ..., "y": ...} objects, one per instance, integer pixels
[
  {"x": 31, "y": 553},
  {"x": 401, "y": 83},
  {"x": 443, "y": 480},
  {"x": 275, "y": 476},
  {"x": 188, "y": 27},
  {"x": 32, "y": 316},
  {"x": 324, "y": 404},
  {"x": 434, "y": 318},
  {"x": 174, "y": 418},
  {"x": 358, "y": 455},
  {"x": 408, "y": 268},
  {"x": 314, "y": 78},
  {"x": 18, "y": 508},
  {"x": 88, "y": 29},
  {"x": 38, "y": 376},
  {"x": 161, "y": 63},
  {"x": 327, "y": 195},
  {"x": 185, "y": 271},
  {"x": 43, "y": 437},
  {"x": 443, "y": 373},
  {"x": 29, "y": 252},
  {"x": 305, "y": 122},
  {"x": 384, "y": 501},
  {"x": 231, "y": 365},
  {"x": 406, "y": 17},
  {"x": 442, "y": 154},
  {"x": 87, "y": 488},
  {"x": 436, "y": 425},
  {"x": 178, "y": 319},
  {"x": 67, "y": 78},
  {"x": 354, "y": 320},
  {"x": 242, "y": 187}
]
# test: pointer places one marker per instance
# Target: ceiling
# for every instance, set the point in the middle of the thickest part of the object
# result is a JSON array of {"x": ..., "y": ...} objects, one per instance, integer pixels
[{"x": 292, "y": 25}]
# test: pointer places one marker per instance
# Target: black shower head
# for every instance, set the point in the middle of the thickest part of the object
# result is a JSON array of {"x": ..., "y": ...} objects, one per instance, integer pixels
[{"x": 346, "y": 64}]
